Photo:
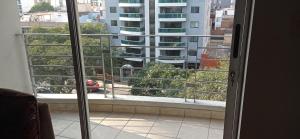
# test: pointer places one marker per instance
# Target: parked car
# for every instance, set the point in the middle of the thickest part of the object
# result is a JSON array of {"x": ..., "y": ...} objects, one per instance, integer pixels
[{"x": 92, "y": 86}]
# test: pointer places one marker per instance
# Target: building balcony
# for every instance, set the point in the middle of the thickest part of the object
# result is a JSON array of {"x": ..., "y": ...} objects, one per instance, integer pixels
[
  {"x": 132, "y": 57},
  {"x": 132, "y": 30},
  {"x": 131, "y": 17},
  {"x": 171, "y": 59},
  {"x": 171, "y": 45},
  {"x": 168, "y": 3},
  {"x": 131, "y": 3},
  {"x": 132, "y": 43},
  {"x": 167, "y": 17},
  {"x": 172, "y": 31}
]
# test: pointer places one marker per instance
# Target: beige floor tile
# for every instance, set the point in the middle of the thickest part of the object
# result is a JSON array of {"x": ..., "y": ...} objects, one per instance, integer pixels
[
  {"x": 60, "y": 125},
  {"x": 167, "y": 124},
  {"x": 170, "y": 118},
  {"x": 119, "y": 116},
  {"x": 193, "y": 132},
  {"x": 139, "y": 123},
  {"x": 71, "y": 116},
  {"x": 168, "y": 129},
  {"x": 215, "y": 134},
  {"x": 140, "y": 129},
  {"x": 144, "y": 117},
  {"x": 154, "y": 136},
  {"x": 73, "y": 131},
  {"x": 97, "y": 117},
  {"x": 217, "y": 124},
  {"x": 113, "y": 123},
  {"x": 105, "y": 132},
  {"x": 196, "y": 121},
  {"x": 130, "y": 135}
]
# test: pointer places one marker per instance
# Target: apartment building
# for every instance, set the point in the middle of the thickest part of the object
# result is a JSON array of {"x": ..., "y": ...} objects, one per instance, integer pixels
[{"x": 171, "y": 25}]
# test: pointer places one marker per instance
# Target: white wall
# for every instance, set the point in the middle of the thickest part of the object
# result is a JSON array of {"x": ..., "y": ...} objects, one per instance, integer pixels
[{"x": 14, "y": 73}]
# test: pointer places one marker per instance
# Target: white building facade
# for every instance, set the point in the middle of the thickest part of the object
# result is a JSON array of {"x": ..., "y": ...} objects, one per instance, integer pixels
[{"x": 171, "y": 24}]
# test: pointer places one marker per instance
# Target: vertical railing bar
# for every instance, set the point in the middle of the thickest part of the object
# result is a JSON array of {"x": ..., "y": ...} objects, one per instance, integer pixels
[
  {"x": 186, "y": 71},
  {"x": 111, "y": 68},
  {"x": 103, "y": 66},
  {"x": 79, "y": 70},
  {"x": 197, "y": 49}
]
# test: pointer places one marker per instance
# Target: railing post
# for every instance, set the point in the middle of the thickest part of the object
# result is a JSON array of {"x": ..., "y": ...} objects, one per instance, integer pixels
[
  {"x": 111, "y": 68},
  {"x": 31, "y": 73},
  {"x": 103, "y": 66}
]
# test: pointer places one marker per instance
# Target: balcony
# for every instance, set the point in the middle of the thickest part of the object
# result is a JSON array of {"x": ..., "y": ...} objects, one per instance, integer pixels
[
  {"x": 132, "y": 43},
  {"x": 147, "y": 116},
  {"x": 131, "y": 17},
  {"x": 167, "y": 17},
  {"x": 172, "y": 45},
  {"x": 172, "y": 31},
  {"x": 137, "y": 126},
  {"x": 132, "y": 30},
  {"x": 168, "y": 3},
  {"x": 131, "y": 3}
]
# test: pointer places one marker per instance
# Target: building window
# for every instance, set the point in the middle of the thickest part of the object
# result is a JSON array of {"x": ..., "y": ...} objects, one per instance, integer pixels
[
  {"x": 113, "y": 23},
  {"x": 195, "y": 9},
  {"x": 192, "y": 52},
  {"x": 113, "y": 10},
  {"x": 194, "y": 24},
  {"x": 194, "y": 39}
]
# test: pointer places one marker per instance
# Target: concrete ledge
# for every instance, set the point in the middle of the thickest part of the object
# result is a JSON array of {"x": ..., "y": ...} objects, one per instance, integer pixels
[{"x": 138, "y": 104}]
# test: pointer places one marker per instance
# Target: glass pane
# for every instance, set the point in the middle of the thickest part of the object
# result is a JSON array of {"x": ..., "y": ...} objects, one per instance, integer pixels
[
  {"x": 184, "y": 61},
  {"x": 47, "y": 42}
]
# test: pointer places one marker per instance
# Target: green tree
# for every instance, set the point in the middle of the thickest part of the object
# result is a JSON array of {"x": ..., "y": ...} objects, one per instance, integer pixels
[
  {"x": 157, "y": 79},
  {"x": 208, "y": 84},
  {"x": 204, "y": 85},
  {"x": 93, "y": 46},
  {"x": 42, "y": 7}
]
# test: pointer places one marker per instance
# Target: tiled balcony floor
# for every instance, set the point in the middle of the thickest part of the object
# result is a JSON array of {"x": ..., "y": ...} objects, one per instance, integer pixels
[{"x": 137, "y": 126}]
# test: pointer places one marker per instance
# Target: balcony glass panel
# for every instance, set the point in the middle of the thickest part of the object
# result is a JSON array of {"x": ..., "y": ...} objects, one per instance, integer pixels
[
  {"x": 132, "y": 29},
  {"x": 131, "y": 1},
  {"x": 172, "y": 15},
  {"x": 172, "y": 1},
  {"x": 171, "y": 30},
  {"x": 163, "y": 57},
  {"x": 172, "y": 44},
  {"x": 129, "y": 42},
  {"x": 132, "y": 15}
]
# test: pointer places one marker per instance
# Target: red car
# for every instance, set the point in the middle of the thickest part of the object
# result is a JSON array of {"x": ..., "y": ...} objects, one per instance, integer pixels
[{"x": 92, "y": 86}]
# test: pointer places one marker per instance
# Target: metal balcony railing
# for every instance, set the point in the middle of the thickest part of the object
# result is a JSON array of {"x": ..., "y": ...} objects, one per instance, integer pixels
[
  {"x": 171, "y": 30},
  {"x": 51, "y": 70},
  {"x": 133, "y": 29},
  {"x": 131, "y": 15},
  {"x": 172, "y": 15},
  {"x": 172, "y": 1},
  {"x": 131, "y": 1}
]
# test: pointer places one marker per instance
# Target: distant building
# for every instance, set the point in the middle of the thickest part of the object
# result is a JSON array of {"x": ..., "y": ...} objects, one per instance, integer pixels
[
  {"x": 220, "y": 4},
  {"x": 159, "y": 17},
  {"x": 222, "y": 25}
]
